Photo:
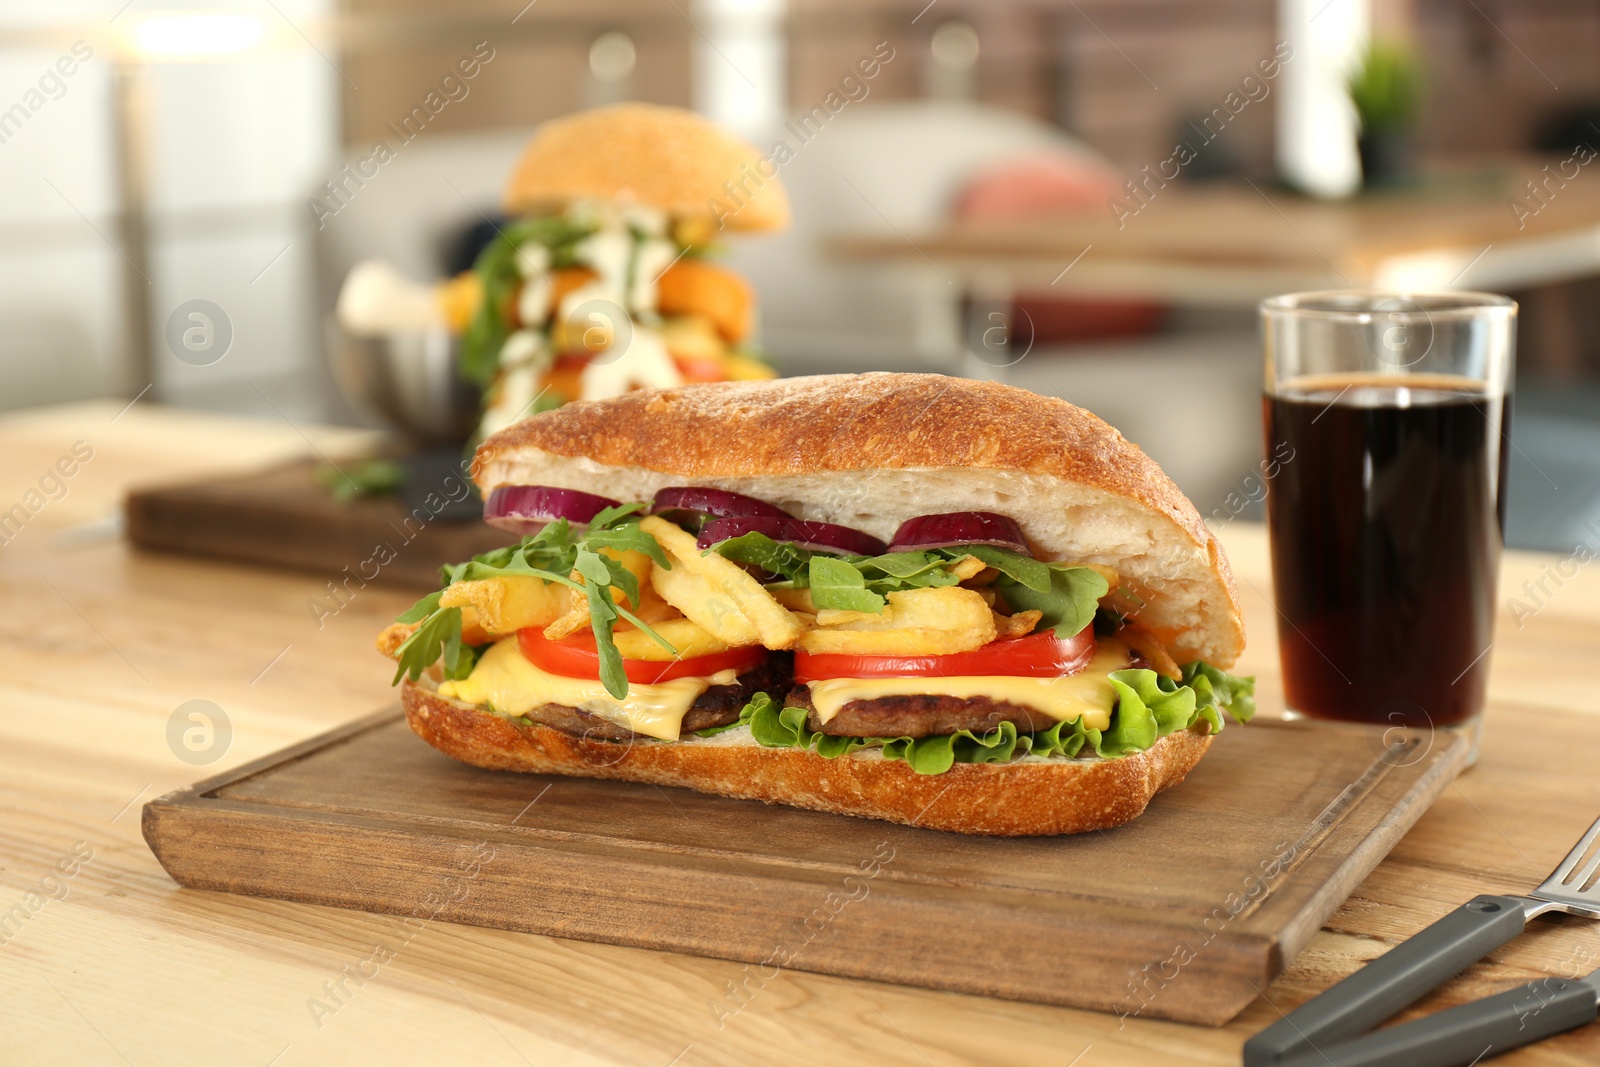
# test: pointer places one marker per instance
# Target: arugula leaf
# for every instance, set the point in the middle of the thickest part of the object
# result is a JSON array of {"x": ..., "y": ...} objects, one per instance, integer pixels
[
  {"x": 912, "y": 568},
  {"x": 1024, "y": 570},
  {"x": 554, "y": 554},
  {"x": 363, "y": 478},
  {"x": 1067, "y": 594},
  {"x": 438, "y": 636},
  {"x": 597, "y": 577},
  {"x": 838, "y": 584},
  {"x": 1069, "y": 602},
  {"x": 777, "y": 557},
  {"x": 608, "y": 531},
  {"x": 421, "y": 609}
]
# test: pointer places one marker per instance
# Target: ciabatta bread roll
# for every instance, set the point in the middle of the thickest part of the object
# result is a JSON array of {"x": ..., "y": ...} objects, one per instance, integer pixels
[{"x": 1120, "y": 699}]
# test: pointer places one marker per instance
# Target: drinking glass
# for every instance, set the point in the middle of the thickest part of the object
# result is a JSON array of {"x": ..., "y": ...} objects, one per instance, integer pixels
[{"x": 1387, "y": 418}]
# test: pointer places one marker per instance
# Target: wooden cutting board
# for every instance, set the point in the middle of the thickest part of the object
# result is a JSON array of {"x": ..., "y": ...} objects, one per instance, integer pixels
[
  {"x": 281, "y": 517},
  {"x": 1185, "y": 913}
]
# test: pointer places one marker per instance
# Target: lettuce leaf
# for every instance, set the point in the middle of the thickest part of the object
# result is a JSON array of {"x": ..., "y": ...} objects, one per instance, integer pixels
[
  {"x": 1069, "y": 599},
  {"x": 552, "y": 554},
  {"x": 1149, "y": 707},
  {"x": 837, "y": 584},
  {"x": 776, "y": 557},
  {"x": 1067, "y": 594}
]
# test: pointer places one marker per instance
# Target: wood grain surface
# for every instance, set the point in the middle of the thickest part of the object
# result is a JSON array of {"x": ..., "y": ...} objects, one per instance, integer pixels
[
  {"x": 118, "y": 965},
  {"x": 1182, "y": 914}
]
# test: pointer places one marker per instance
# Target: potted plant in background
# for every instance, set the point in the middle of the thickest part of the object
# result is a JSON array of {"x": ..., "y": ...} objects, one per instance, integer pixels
[{"x": 1385, "y": 89}]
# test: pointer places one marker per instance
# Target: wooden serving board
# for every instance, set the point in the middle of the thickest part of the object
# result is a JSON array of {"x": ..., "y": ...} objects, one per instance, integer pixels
[
  {"x": 1185, "y": 913},
  {"x": 281, "y": 517}
]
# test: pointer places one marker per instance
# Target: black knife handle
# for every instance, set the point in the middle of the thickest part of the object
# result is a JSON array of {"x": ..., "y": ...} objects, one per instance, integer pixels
[{"x": 1393, "y": 981}]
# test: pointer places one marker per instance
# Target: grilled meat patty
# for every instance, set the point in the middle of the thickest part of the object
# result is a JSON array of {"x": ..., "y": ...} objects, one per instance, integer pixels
[
  {"x": 925, "y": 715},
  {"x": 717, "y": 706}
]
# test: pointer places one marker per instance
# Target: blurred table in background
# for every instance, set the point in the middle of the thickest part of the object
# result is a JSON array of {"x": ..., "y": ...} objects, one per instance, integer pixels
[
  {"x": 99, "y": 645},
  {"x": 1229, "y": 244}
]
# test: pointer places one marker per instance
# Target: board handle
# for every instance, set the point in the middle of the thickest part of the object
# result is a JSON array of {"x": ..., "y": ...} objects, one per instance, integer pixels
[{"x": 1393, "y": 981}]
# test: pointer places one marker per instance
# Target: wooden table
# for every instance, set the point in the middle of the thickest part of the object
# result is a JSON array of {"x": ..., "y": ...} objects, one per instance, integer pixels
[
  {"x": 1233, "y": 243},
  {"x": 101, "y": 645}
]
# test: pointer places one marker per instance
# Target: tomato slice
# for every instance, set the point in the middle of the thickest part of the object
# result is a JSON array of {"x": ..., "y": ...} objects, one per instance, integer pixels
[
  {"x": 1040, "y": 655},
  {"x": 577, "y": 657}
]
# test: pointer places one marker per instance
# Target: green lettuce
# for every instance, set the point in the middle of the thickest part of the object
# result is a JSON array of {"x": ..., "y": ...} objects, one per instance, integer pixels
[
  {"x": 552, "y": 554},
  {"x": 1067, "y": 594},
  {"x": 1149, "y": 707}
]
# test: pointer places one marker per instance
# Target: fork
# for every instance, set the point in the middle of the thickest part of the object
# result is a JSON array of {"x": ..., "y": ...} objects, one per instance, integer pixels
[{"x": 1319, "y": 1031}]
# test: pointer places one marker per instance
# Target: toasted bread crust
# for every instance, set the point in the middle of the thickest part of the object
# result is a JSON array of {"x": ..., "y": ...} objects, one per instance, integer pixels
[
  {"x": 867, "y": 424},
  {"x": 1002, "y": 800},
  {"x": 663, "y": 157}
]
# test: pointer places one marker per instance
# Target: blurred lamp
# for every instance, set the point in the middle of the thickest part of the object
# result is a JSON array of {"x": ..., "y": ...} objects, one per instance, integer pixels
[
  {"x": 611, "y": 57},
  {"x": 182, "y": 35},
  {"x": 955, "y": 45},
  {"x": 954, "y": 50}
]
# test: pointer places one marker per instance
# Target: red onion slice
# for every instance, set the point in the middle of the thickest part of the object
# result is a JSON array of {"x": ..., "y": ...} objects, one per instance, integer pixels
[
  {"x": 693, "y": 506},
  {"x": 812, "y": 536},
  {"x": 526, "y": 509},
  {"x": 959, "y": 528}
]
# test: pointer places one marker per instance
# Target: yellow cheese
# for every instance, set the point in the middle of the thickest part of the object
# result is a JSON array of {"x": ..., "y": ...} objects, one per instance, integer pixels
[
  {"x": 1088, "y": 693},
  {"x": 505, "y": 679}
]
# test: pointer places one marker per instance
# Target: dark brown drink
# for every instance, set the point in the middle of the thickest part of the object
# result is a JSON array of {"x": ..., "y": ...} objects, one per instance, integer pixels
[{"x": 1386, "y": 520}]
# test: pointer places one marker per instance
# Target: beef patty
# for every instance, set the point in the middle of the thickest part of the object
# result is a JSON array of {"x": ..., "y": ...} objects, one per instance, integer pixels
[
  {"x": 717, "y": 706},
  {"x": 926, "y": 715}
]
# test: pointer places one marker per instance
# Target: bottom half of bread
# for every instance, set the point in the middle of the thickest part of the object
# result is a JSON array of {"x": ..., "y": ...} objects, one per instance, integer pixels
[{"x": 1019, "y": 798}]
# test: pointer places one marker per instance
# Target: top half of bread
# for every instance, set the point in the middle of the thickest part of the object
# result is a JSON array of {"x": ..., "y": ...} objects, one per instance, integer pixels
[
  {"x": 662, "y": 157},
  {"x": 872, "y": 450}
]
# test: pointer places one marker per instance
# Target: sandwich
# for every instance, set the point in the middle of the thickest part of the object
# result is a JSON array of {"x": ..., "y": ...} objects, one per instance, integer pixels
[
  {"x": 948, "y": 603},
  {"x": 604, "y": 281}
]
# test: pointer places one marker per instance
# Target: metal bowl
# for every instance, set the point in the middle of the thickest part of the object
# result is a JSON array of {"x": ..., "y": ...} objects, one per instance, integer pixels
[{"x": 410, "y": 381}]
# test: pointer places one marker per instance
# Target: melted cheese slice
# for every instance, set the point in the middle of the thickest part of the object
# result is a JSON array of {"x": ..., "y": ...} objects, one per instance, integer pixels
[
  {"x": 1088, "y": 694},
  {"x": 505, "y": 679}
]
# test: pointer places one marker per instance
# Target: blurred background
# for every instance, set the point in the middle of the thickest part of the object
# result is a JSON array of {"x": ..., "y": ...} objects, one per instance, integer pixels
[{"x": 1083, "y": 197}]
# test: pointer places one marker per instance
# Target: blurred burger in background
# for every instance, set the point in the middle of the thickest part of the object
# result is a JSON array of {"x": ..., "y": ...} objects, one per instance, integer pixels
[{"x": 602, "y": 279}]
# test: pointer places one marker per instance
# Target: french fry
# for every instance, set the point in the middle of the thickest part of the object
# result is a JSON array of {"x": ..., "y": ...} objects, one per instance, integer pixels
[
  {"x": 1018, "y": 625},
  {"x": 968, "y": 567},
  {"x": 652, "y": 607},
  {"x": 903, "y": 642},
  {"x": 1142, "y": 640},
  {"x": 472, "y": 631},
  {"x": 687, "y": 636},
  {"x": 915, "y": 622},
  {"x": 774, "y": 625},
  {"x": 798, "y": 600},
  {"x": 703, "y": 603},
  {"x": 506, "y": 604},
  {"x": 574, "y": 620},
  {"x": 393, "y": 636},
  {"x": 943, "y": 608},
  {"x": 576, "y": 616}
]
